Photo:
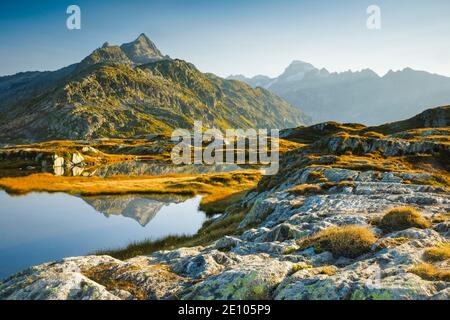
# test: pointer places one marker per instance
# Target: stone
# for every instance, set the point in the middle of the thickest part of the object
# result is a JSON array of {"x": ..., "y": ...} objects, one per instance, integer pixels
[
  {"x": 70, "y": 279},
  {"x": 77, "y": 171},
  {"x": 227, "y": 243},
  {"x": 58, "y": 161},
  {"x": 253, "y": 279},
  {"x": 281, "y": 232},
  {"x": 77, "y": 158},
  {"x": 337, "y": 175},
  {"x": 58, "y": 171},
  {"x": 259, "y": 211},
  {"x": 89, "y": 149}
]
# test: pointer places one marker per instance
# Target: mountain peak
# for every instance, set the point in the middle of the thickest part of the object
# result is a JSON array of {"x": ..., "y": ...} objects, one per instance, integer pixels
[
  {"x": 105, "y": 54},
  {"x": 142, "y": 50},
  {"x": 142, "y": 36},
  {"x": 296, "y": 70},
  {"x": 299, "y": 62}
]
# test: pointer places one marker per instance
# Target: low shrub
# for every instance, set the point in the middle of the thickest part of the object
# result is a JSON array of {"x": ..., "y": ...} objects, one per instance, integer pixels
[
  {"x": 440, "y": 252},
  {"x": 402, "y": 218},
  {"x": 306, "y": 189},
  {"x": 348, "y": 241},
  {"x": 429, "y": 272}
]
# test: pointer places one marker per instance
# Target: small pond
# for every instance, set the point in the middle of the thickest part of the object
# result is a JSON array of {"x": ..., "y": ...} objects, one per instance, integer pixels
[{"x": 42, "y": 227}]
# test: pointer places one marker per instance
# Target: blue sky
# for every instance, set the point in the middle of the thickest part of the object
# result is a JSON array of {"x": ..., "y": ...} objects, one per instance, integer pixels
[{"x": 229, "y": 36}]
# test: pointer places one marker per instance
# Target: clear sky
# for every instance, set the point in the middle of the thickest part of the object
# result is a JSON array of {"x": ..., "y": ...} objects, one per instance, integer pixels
[{"x": 230, "y": 36}]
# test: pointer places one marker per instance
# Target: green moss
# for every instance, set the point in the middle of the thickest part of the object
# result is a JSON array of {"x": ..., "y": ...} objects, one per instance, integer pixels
[{"x": 360, "y": 294}]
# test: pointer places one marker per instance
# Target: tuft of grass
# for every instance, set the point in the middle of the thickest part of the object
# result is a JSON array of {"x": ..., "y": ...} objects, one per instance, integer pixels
[
  {"x": 341, "y": 184},
  {"x": 429, "y": 272},
  {"x": 316, "y": 176},
  {"x": 373, "y": 134},
  {"x": 440, "y": 252},
  {"x": 305, "y": 189},
  {"x": 402, "y": 218},
  {"x": 347, "y": 241},
  {"x": 441, "y": 218},
  {"x": 328, "y": 270},
  {"x": 300, "y": 266}
]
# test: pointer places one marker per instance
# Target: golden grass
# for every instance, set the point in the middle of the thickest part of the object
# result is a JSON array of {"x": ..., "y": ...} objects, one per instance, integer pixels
[
  {"x": 314, "y": 189},
  {"x": 375, "y": 135},
  {"x": 316, "y": 176},
  {"x": 100, "y": 274},
  {"x": 440, "y": 252},
  {"x": 287, "y": 145},
  {"x": 401, "y": 218},
  {"x": 328, "y": 270},
  {"x": 428, "y": 271},
  {"x": 372, "y": 161},
  {"x": 218, "y": 202},
  {"x": 305, "y": 189},
  {"x": 443, "y": 217},
  {"x": 347, "y": 241},
  {"x": 105, "y": 150},
  {"x": 300, "y": 266},
  {"x": 219, "y": 189}
]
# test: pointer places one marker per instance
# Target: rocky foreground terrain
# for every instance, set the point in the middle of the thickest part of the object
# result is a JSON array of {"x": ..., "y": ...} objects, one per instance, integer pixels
[{"x": 354, "y": 214}]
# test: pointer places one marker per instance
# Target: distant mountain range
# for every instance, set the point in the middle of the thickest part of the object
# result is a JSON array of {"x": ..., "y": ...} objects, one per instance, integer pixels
[
  {"x": 129, "y": 90},
  {"x": 361, "y": 97}
]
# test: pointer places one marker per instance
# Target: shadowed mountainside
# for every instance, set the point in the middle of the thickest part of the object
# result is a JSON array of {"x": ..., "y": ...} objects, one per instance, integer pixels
[{"x": 361, "y": 96}]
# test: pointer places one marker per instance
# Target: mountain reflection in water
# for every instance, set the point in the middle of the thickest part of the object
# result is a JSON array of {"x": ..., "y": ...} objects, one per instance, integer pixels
[
  {"x": 140, "y": 208},
  {"x": 42, "y": 227}
]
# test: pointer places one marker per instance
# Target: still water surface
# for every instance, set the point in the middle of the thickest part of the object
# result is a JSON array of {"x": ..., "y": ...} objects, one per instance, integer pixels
[{"x": 42, "y": 227}]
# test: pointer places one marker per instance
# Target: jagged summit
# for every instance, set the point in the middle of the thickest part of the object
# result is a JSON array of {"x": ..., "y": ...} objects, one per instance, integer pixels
[
  {"x": 105, "y": 54},
  {"x": 360, "y": 96},
  {"x": 296, "y": 70},
  {"x": 142, "y": 50},
  {"x": 300, "y": 65}
]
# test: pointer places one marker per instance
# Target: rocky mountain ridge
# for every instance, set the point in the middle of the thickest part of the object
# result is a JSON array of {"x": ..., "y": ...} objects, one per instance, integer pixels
[
  {"x": 129, "y": 90},
  {"x": 360, "y": 96}
]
